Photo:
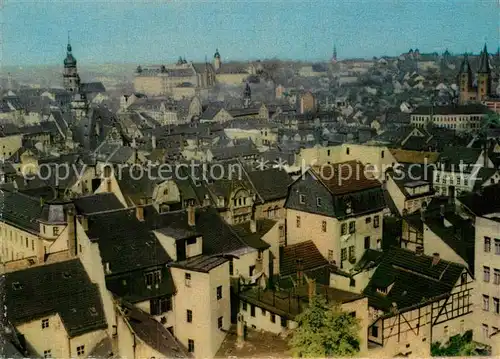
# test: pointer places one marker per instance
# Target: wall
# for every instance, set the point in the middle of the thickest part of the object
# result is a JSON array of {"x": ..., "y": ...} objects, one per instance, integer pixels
[
  {"x": 149, "y": 85},
  {"x": 434, "y": 244},
  {"x": 13, "y": 243},
  {"x": 200, "y": 298},
  {"x": 485, "y": 228},
  {"x": 262, "y": 320},
  {"x": 125, "y": 340},
  {"x": 54, "y": 338},
  {"x": 9, "y": 145},
  {"x": 88, "y": 340}
]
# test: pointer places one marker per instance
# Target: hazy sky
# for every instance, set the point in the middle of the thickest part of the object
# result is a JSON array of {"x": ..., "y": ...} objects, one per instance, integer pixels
[{"x": 140, "y": 31}]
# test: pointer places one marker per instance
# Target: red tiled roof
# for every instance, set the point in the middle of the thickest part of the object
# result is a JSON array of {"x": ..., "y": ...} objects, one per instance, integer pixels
[
  {"x": 347, "y": 177},
  {"x": 307, "y": 252}
]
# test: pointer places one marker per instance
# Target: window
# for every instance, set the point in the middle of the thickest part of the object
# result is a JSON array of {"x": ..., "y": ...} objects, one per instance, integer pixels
[
  {"x": 298, "y": 221},
  {"x": 153, "y": 278},
  {"x": 190, "y": 241},
  {"x": 302, "y": 199},
  {"x": 45, "y": 323},
  {"x": 27, "y": 244},
  {"x": 486, "y": 274},
  {"x": 323, "y": 226},
  {"x": 382, "y": 154},
  {"x": 47, "y": 353},
  {"x": 486, "y": 303},
  {"x": 367, "y": 242},
  {"x": 496, "y": 305},
  {"x": 497, "y": 246},
  {"x": 80, "y": 350},
  {"x": 445, "y": 330},
  {"x": 231, "y": 267},
  {"x": 189, "y": 316},
  {"x": 190, "y": 345},
  {"x": 352, "y": 227},
  {"x": 368, "y": 220},
  {"x": 252, "y": 310},
  {"x": 485, "y": 331},
  {"x": 463, "y": 279},
  {"x": 487, "y": 244},
  {"x": 219, "y": 292},
  {"x": 343, "y": 229},
  {"x": 284, "y": 322},
  {"x": 55, "y": 231},
  {"x": 187, "y": 279},
  {"x": 347, "y": 151},
  {"x": 244, "y": 306},
  {"x": 328, "y": 152},
  {"x": 352, "y": 253},
  {"x": 263, "y": 311},
  {"x": 160, "y": 305},
  {"x": 376, "y": 223},
  {"x": 352, "y": 282},
  {"x": 251, "y": 269},
  {"x": 496, "y": 276},
  {"x": 343, "y": 254},
  {"x": 273, "y": 318},
  {"x": 219, "y": 323},
  {"x": 330, "y": 255},
  {"x": 318, "y": 201},
  {"x": 375, "y": 331}
]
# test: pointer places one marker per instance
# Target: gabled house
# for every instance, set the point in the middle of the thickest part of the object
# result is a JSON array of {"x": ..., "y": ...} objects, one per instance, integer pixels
[
  {"x": 415, "y": 300},
  {"x": 339, "y": 207}
]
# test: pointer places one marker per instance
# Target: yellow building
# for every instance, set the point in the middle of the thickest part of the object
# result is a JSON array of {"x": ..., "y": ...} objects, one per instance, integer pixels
[{"x": 57, "y": 310}]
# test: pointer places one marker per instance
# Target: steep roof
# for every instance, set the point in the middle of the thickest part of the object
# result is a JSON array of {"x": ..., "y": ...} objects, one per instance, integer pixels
[
  {"x": 97, "y": 203},
  {"x": 346, "y": 177},
  {"x": 271, "y": 184},
  {"x": 306, "y": 252},
  {"x": 62, "y": 288},
  {"x": 410, "y": 279},
  {"x": 484, "y": 202},
  {"x": 20, "y": 210}
]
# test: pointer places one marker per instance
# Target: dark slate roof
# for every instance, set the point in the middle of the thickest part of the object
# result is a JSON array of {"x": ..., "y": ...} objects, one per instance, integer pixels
[
  {"x": 306, "y": 252},
  {"x": 153, "y": 333},
  {"x": 254, "y": 239},
  {"x": 271, "y": 184},
  {"x": 97, "y": 203},
  {"x": 20, "y": 210},
  {"x": 236, "y": 151},
  {"x": 460, "y": 236},
  {"x": 413, "y": 277},
  {"x": 201, "y": 263},
  {"x": 92, "y": 87},
  {"x": 132, "y": 287},
  {"x": 125, "y": 242},
  {"x": 483, "y": 202},
  {"x": 471, "y": 109},
  {"x": 454, "y": 156},
  {"x": 8, "y": 129},
  {"x": 62, "y": 288}
]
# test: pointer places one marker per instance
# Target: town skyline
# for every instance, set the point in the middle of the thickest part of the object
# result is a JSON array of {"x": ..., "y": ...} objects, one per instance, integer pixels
[{"x": 123, "y": 32}]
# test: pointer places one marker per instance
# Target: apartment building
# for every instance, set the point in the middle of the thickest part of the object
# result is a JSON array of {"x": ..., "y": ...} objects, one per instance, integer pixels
[
  {"x": 456, "y": 117},
  {"x": 484, "y": 208},
  {"x": 56, "y": 310},
  {"x": 339, "y": 208}
]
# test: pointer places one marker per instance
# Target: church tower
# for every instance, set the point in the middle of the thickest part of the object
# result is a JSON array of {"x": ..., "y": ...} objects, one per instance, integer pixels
[
  {"x": 465, "y": 81},
  {"x": 483, "y": 76},
  {"x": 334, "y": 56},
  {"x": 247, "y": 96},
  {"x": 71, "y": 79},
  {"x": 217, "y": 62}
]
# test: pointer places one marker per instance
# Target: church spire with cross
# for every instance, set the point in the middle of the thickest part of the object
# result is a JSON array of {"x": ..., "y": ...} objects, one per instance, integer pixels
[{"x": 71, "y": 79}]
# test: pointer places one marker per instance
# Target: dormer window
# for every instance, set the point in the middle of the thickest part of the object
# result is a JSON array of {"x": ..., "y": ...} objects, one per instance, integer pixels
[
  {"x": 153, "y": 278},
  {"x": 302, "y": 199},
  {"x": 348, "y": 206},
  {"x": 318, "y": 201},
  {"x": 55, "y": 231}
]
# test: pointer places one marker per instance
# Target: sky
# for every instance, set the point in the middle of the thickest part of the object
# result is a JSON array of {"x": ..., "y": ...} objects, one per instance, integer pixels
[{"x": 148, "y": 31}]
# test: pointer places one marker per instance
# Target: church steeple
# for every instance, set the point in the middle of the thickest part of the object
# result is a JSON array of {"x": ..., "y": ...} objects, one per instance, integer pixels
[
  {"x": 71, "y": 79},
  {"x": 334, "y": 56},
  {"x": 217, "y": 61},
  {"x": 484, "y": 63}
]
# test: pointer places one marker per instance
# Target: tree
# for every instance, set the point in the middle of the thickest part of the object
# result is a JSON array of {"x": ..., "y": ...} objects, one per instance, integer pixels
[
  {"x": 324, "y": 330},
  {"x": 458, "y": 345}
]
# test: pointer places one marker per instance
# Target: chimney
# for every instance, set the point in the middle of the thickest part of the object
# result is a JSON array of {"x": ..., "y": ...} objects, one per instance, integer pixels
[
  {"x": 240, "y": 328},
  {"x": 300, "y": 268},
  {"x": 191, "y": 216},
  {"x": 422, "y": 214},
  {"x": 441, "y": 210},
  {"x": 153, "y": 142},
  {"x": 70, "y": 220},
  {"x": 311, "y": 289},
  {"x": 253, "y": 226},
  {"x": 139, "y": 210},
  {"x": 435, "y": 259},
  {"x": 84, "y": 222}
]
